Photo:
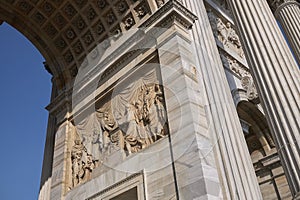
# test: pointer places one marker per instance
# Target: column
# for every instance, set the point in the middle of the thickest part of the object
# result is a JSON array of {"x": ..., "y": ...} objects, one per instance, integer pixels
[
  {"x": 235, "y": 168},
  {"x": 277, "y": 78},
  {"x": 287, "y": 12}
]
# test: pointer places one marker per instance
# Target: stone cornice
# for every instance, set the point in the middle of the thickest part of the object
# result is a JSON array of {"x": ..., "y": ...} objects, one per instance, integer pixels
[
  {"x": 59, "y": 103},
  {"x": 185, "y": 16}
]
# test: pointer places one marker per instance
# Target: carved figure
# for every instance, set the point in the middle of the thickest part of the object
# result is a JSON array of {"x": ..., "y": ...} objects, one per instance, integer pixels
[
  {"x": 135, "y": 134},
  {"x": 97, "y": 143},
  {"x": 235, "y": 67},
  {"x": 82, "y": 164},
  {"x": 161, "y": 114},
  {"x": 156, "y": 113},
  {"x": 88, "y": 167},
  {"x": 246, "y": 78},
  {"x": 77, "y": 163},
  {"x": 145, "y": 120},
  {"x": 132, "y": 136},
  {"x": 222, "y": 31},
  {"x": 107, "y": 125},
  {"x": 232, "y": 36},
  {"x": 276, "y": 3},
  {"x": 225, "y": 33}
]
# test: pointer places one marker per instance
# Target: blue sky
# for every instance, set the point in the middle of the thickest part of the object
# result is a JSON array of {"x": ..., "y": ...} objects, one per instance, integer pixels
[{"x": 25, "y": 91}]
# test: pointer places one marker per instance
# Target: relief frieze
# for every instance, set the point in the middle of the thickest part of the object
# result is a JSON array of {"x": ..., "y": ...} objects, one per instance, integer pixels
[
  {"x": 127, "y": 121},
  {"x": 225, "y": 33}
]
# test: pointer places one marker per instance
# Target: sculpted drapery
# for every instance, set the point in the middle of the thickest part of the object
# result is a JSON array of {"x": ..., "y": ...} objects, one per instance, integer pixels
[{"x": 132, "y": 118}]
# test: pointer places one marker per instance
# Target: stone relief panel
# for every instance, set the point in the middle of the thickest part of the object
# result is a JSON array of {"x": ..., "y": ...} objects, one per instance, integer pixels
[
  {"x": 225, "y": 33},
  {"x": 143, "y": 121},
  {"x": 127, "y": 120}
]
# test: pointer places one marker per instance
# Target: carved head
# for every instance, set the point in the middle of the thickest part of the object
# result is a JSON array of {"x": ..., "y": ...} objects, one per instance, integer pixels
[{"x": 228, "y": 25}]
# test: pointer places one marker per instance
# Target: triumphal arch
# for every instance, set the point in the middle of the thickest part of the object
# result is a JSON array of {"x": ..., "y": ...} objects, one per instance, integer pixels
[{"x": 168, "y": 99}]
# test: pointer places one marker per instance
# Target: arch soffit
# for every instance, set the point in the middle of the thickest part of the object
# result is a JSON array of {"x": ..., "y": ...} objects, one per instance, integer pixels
[
  {"x": 33, "y": 33},
  {"x": 249, "y": 112},
  {"x": 65, "y": 31}
]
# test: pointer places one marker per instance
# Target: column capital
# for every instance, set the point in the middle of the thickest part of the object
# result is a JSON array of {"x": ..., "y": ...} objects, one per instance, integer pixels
[
  {"x": 277, "y": 5},
  {"x": 287, "y": 12}
]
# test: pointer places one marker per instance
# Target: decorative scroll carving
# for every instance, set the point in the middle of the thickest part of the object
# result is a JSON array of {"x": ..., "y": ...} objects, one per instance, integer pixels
[
  {"x": 244, "y": 74},
  {"x": 248, "y": 85},
  {"x": 232, "y": 36},
  {"x": 225, "y": 33}
]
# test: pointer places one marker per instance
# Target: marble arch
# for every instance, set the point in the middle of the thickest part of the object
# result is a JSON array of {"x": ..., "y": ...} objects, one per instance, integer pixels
[{"x": 231, "y": 58}]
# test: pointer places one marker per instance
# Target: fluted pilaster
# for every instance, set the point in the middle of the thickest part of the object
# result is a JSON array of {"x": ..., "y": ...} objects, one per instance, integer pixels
[
  {"x": 277, "y": 78},
  {"x": 234, "y": 164},
  {"x": 288, "y": 14}
]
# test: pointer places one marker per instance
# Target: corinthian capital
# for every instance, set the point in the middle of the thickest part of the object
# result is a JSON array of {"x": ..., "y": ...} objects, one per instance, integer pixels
[{"x": 276, "y": 4}]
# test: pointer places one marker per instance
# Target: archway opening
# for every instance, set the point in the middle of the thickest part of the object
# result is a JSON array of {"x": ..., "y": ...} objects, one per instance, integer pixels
[
  {"x": 25, "y": 87},
  {"x": 265, "y": 159}
]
